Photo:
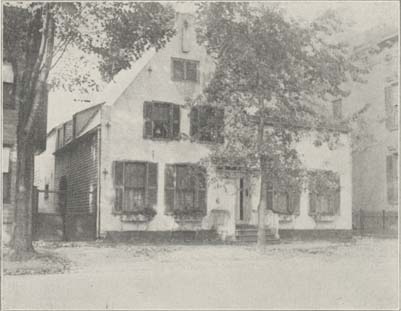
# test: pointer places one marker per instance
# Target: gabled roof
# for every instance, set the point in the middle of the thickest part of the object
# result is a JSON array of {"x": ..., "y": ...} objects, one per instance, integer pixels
[{"x": 124, "y": 78}]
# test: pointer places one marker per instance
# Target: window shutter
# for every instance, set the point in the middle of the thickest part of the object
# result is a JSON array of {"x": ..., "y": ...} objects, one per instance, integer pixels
[
  {"x": 201, "y": 190},
  {"x": 337, "y": 202},
  {"x": 312, "y": 203},
  {"x": 118, "y": 180},
  {"x": 147, "y": 120},
  {"x": 194, "y": 121},
  {"x": 151, "y": 186},
  {"x": 294, "y": 206},
  {"x": 388, "y": 101},
  {"x": 175, "y": 113},
  {"x": 220, "y": 125},
  {"x": 169, "y": 187}
]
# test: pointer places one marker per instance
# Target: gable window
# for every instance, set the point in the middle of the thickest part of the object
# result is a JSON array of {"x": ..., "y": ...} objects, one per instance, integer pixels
[
  {"x": 161, "y": 120},
  {"x": 207, "y": 124},
  {"x": 392, "y": 178},
  {"x": 286, "y": 202},
  {"x": 337, "y": 109},
  {"x": 391, "y": 100},
  {"x": 135, "y": 185},
  {"x": 8, "y": 96},
  {"x": 185, "y": 189},
  {"x": 185, "y": 70},
  {"x": 324, "y": 193},
  {"x": 6, "y": 175}
]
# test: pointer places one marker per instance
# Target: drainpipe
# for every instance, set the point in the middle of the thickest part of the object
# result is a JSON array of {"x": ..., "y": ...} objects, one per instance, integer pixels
[{"x": 98, "y": 181}]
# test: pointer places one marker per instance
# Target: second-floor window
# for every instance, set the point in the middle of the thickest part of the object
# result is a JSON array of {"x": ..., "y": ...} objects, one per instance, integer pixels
[
  {"x": 391, "y": 100},
  {"x": 8, "y": 96},
  {"x": 161, "y": 120},
  {"x": 207, "y": 124},
  {"x": 185, "y": 70}
]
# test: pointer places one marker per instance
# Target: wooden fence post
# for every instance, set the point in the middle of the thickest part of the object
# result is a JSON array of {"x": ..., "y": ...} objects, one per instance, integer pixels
[{"x": 361, "y": 221}]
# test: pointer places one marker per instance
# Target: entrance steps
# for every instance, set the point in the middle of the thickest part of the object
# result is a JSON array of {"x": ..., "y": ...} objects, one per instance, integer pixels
[{"x": 249, "y": 234}]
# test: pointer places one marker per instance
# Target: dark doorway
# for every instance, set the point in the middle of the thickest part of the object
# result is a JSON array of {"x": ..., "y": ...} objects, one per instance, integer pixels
[{"x": 241, "y": 199}]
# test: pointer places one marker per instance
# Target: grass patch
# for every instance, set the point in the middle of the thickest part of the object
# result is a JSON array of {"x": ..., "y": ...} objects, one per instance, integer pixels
[{"x": 40, "y": 262}]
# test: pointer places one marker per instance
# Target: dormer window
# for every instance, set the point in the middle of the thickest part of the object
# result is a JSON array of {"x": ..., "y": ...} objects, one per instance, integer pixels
[{"x": 185, "y": 70}]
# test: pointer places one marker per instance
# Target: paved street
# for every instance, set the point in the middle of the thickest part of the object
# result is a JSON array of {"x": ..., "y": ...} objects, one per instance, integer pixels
[{"x": 313, "y": 275}]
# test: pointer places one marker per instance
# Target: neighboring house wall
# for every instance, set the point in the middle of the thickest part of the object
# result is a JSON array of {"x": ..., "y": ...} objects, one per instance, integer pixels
[
  {"x": 76, "y": 167},
  {"x": 376, "y": 140},
  {"x": 9, "y": 165}
]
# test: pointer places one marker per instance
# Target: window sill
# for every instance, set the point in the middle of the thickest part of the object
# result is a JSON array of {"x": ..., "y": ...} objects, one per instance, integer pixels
[
  {"x": 134, "y": 218},
  {"x": 285, "y": 218},
  {"x": 162, "y": 140},
  {"x": 323, "y": 218}
]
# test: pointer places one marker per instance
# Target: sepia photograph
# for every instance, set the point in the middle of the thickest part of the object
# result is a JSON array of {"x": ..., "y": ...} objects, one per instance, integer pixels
[{"x": 200, "y": 155}]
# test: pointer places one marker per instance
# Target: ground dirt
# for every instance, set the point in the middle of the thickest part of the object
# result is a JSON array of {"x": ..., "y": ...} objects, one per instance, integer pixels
[{"x": 361, "y": 274}]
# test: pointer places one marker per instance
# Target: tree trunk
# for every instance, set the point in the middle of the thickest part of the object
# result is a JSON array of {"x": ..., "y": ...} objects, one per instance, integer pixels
[
  {"x": 22, "y": 238},
  {"x": 263, "y": 186}
]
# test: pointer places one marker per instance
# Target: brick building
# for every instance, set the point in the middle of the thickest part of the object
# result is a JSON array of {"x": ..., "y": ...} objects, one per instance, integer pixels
[{"x": 127, "y": 167}]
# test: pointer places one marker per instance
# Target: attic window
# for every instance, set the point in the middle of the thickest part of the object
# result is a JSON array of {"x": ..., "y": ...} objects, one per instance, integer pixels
[
  {"x": 185, "y": 40},
  {"x": 185, "y": 70}
]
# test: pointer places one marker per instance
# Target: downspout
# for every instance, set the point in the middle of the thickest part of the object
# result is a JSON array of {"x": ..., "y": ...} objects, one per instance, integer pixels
[{"x": 99, "y": 131}]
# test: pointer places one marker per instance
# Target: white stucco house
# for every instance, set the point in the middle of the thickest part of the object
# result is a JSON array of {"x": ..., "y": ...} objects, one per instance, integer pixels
[{"x": 128, "y": 170}]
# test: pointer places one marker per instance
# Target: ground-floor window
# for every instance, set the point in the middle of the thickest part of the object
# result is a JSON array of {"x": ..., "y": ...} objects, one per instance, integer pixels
[
  {"x": 135, "y": 185},
  {"x": 285, "y": 202},
  {"x": 185, "y": 189},
  {"x": 6, "y": 175},
  {"x": 324, "y": 193}
]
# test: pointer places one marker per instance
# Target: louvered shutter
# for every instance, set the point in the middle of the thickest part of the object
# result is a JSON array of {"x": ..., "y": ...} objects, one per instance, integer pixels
[
  {"x": 169, "y": 188},
  {"x": 201, "y": 190},
  {"x": 220, "y": 125},
  {"x": 194, "y": 116},
  {"x": 337, "y": 202},
  {"x": 118, "y": 180},
  {"x": 312, "y": 203},
  {"x": 294, "y": 206},
  {"x": 388, "y": 101},
  {"x": 151, "y": 185},
  {"x": 175, "y": 113},
  {"x": 147, "y": 120}
]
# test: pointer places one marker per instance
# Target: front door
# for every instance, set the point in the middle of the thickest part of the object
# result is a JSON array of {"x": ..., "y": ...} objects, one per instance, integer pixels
[{"x": 243, "y": 207}]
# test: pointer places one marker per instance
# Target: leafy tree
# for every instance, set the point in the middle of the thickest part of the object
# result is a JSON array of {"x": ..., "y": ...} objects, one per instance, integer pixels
[
  {"x": 273, "y": 75},
  {"x": 36, "y": 36}
]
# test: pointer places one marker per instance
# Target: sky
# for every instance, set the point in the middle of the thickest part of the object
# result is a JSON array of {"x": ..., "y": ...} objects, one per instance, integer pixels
[{"x": 365, "y": 14}]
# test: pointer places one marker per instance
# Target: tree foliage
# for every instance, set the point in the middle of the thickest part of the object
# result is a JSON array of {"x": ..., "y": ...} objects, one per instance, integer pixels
[
  {"x": 37, "y": 35},
  {"x": 277, "y": 69}
]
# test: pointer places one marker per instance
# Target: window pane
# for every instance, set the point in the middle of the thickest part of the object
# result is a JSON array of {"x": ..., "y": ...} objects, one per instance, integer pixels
[
  {"x": 135, "y": 175},
  {"x": 134, "y": 199},
  {"x": 178, "y": 69},
  {"x": 192, "y": 71},
  {"x": 185, "y": 177},
  {"x": 161, "y": 112},
  {"x": 185, "y": 199}
]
